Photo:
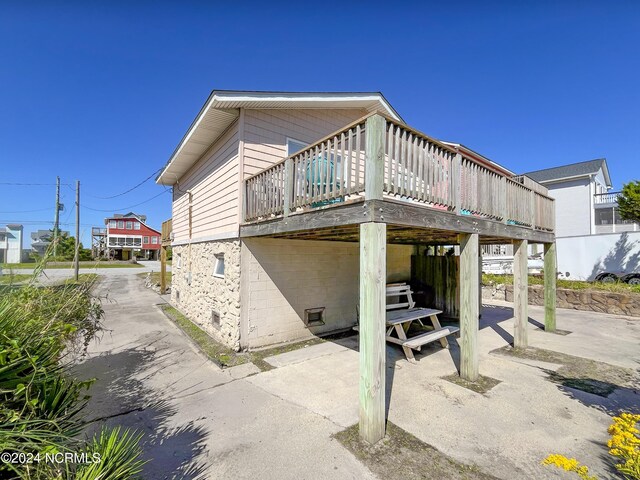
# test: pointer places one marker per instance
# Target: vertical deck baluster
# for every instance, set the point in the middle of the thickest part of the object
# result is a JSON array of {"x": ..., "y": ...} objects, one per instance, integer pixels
[
  {"x": 396, "y": 160},
  {"x": 358, "y": 182},
  {"x": 334, "y": 168},
  {"x": 420, "y": 169},
  {"x": 416, "y": 165},
  {"x": 388, "y": 159},
  {"x": 344, "y": 164},
  {"x": 349, "y": 155},
  {"x": 403, "y": 164},
  {"x": 322, "y": 161}
]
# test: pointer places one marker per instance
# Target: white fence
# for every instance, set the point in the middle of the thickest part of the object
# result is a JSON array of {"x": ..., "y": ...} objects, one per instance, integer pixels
[{"x": 583, "y": 257}]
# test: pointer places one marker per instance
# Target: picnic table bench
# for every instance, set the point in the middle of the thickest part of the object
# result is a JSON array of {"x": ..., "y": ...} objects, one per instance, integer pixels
[{"x": 401, "y": 315}]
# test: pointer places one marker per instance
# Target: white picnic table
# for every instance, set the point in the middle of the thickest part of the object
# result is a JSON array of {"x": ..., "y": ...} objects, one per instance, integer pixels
[{"x": 401, "y": 315}]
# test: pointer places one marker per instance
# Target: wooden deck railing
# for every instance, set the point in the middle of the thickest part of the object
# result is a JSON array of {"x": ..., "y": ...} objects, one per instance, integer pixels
[{"x": 412, "y": 166}]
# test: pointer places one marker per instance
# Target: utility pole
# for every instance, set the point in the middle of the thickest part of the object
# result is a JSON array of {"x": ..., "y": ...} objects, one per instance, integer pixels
[
  {"x": 76, "y": 257},
  {"x": 57, "y": 218}
]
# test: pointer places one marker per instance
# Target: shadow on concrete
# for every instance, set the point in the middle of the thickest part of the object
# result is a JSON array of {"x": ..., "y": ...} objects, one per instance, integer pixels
[{"x": 119, "y": 398}]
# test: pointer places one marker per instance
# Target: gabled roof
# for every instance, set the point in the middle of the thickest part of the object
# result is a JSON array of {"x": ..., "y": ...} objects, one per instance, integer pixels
[
  {"x": 141, "y": 218},
  {"x": 222, "y": 108},
  {"x": 573, "y": 170}
]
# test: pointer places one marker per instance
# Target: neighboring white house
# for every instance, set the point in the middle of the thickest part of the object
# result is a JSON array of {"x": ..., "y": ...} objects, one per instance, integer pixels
[
  {"x": 591, "y": 237},
  {"x": 41, "y": 239},
  {"x": 11, "y": 243},
  {"x": 584, "y": 203}
]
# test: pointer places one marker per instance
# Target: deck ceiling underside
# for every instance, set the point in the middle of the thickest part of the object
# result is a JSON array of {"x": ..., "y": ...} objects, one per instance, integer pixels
[
  {"x": 397, "y": 234},
  {"x": 406, "y": 224}
]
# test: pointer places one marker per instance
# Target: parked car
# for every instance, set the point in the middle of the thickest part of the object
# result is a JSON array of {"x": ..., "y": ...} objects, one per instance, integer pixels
[{"x": 610, "y": 277}]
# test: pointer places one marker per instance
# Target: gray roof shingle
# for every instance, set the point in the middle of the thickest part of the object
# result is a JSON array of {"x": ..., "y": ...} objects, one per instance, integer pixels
[{"x": 572, "y": 170}]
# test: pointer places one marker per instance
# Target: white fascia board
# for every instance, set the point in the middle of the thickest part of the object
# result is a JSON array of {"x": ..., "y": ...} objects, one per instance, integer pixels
[
  {"x": 190, "y": 132},
  {"x": 315, "y": 98}
]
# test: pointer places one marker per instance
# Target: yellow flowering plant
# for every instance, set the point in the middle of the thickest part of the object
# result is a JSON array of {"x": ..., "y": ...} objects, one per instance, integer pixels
[
  {"x": 624, "y": 445},
  {"x": 568, "y": 464}
]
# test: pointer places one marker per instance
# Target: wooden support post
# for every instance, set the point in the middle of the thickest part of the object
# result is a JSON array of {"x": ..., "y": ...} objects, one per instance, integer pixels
[
  {"x": 288, "y": 185},
  {"x": 520, "y": 293},
  {"x": 469, "y": 312},
  {"x": 373, "y": 274},
  {"x": 375, "y": 127},
  {"x": 163, "y": 269},
  {"x": 550, "y": 276}
]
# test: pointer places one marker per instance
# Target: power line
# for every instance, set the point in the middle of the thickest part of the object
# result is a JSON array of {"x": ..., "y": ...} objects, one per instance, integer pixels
[
  {"x": 32, "y": 184},
  {"x": 26, "y": 211},
  {"x": 112, "y": 210},
  {"x": 127, "y": 191}
]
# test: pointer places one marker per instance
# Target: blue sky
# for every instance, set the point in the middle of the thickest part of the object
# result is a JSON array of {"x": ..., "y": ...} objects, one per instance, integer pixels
[{"x": 103, "y": 92}]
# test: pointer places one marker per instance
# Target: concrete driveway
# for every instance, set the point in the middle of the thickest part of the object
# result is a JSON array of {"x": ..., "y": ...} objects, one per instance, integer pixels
[
  {"x": 202, "y": 422},
  {"x": 199, "y": 421}
]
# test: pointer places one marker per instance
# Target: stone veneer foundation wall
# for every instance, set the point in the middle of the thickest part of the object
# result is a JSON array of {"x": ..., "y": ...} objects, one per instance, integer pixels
[
  {"x": 283, "y": 277},
  {"x": 588, "y": 300},
  {"x": 196, "y": 292}
]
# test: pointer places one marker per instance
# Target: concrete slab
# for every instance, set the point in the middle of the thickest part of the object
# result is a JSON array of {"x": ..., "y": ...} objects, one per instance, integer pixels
[
  {"x": 305, "y": 353},
  {"x": 198, "y": 421},
  {"x": 509, "y": 430}
]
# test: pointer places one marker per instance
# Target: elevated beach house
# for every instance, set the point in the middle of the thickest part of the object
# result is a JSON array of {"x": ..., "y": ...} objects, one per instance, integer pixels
[{"x": 293, "y": 211}]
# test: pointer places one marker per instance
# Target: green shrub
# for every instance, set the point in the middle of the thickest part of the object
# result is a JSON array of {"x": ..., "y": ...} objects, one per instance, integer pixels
[{"x": 41, "y": 404}]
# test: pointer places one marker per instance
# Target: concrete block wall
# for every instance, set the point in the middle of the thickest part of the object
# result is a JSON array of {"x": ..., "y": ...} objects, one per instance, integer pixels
[
  {"x": 196, "y": 292},
  {"x": 281, "y": 278}
]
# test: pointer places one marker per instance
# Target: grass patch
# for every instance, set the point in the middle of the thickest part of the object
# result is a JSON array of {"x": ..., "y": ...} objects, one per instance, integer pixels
[
  {"x": 617, "y": 287},
  {"x": 224, "y": 357},
  {"x": 482, "y": 385},
  {"x": 221, "y": 355},
  {"x": 58, "y": 265},
  {"x": 580, "y": 373},
  {"x": 13, "y": 278},
  {"x": 401, "y": 456},
  {"x": 257, "y": 358}
]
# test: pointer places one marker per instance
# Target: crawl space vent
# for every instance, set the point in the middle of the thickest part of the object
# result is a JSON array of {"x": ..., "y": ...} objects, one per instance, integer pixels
[{"x": 314, "y": 316}]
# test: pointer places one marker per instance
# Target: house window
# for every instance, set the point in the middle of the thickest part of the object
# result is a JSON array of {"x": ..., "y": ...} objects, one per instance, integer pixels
[
  {"x": 145, "y": 240},
  {"x": 604, "y": 216},
  {"x": 129, "y": 225},
  {"x": 137, "y": 241},
  {"x": 218, "y": 268},
  {"x": 136, "y": 225},
  {"x": 120, "y": 223},
  {"x": 154, "y": 240},
  {"x": 294, "y": 146},
  {"x": 112, "y": 223}
]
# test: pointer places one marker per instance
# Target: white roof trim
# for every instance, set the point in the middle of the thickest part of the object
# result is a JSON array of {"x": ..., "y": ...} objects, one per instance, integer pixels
[{"x": 222, "y": 108}]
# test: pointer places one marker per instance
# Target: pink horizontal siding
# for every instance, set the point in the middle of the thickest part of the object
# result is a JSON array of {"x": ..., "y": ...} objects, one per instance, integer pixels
[
  {"x": 213, "y": 182},
  {"x": 266, "y": 132}
]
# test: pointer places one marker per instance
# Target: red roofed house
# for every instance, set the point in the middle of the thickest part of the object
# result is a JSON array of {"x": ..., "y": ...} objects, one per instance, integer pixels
[{"x": 129, "y": 235}]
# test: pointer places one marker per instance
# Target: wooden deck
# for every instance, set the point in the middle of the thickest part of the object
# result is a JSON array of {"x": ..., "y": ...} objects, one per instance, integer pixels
[
  {"x": 378, "y": 181},
  {"x": 424, "y": 190}
]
